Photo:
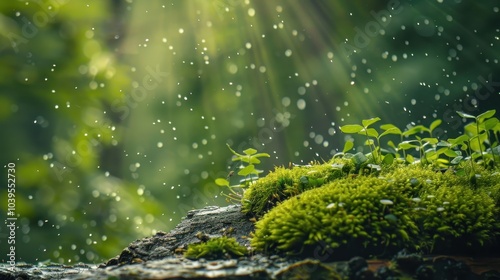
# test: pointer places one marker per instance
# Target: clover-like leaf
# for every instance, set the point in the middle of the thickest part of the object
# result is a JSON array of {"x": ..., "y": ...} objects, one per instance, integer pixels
[
  {"x": 451, "y": 153},
  {"x": 410, "y": 158},
  {"x": 432, "y": 141},
  {"x": 486, "y": 115},
  {"x": 371, "y": 132},
  {"x": 489, "y": 124},
  {"x": 459, "y": 140},
  {"x": 415, "y": 130},
  {"x": 222, "y": 182},
  {"x": 388, "y": 159},
  {"x": 368, "y": 122},
  {"x": 392, "y": 128},
  {"x": 435, "y": 124},
  {"x": 252, "y": 160},
  {"x": 359, "y": 158},
  {"x": 431, "y": 154},
  {"x": 249, "y": 151},
  {"x": 391, "y": 131},
  {"x": 347, "y": 146},
  {"x": 351, "y": 128},
  {"x": 247, "y": 170},
  {"x": 405, "y": 145}
]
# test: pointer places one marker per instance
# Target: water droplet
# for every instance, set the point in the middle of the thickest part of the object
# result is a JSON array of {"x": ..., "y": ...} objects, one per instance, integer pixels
[{"x": 301, "y": 104}]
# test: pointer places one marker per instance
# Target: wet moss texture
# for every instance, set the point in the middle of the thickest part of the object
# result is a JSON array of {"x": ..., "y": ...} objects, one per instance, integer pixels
[{"x": 327, "y": 210}]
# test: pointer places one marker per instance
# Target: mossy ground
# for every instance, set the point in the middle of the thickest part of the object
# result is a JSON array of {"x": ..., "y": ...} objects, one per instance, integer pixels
[
  {"x": 283, "y": 182},
  {"x": 216, "y": 248},
  {"x": 324, "y": 209}
]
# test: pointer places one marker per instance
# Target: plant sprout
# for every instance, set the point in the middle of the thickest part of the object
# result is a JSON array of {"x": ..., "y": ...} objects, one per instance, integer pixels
[{"x": 250, "y": 158}]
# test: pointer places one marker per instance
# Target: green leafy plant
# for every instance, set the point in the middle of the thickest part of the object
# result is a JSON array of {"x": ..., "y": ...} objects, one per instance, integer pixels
[
  {"x": 475, "y": 143},
  {"x": 248, "y": 160},
  {"x": 365, "y": 129},
  {"x": 479, "y": 133}
]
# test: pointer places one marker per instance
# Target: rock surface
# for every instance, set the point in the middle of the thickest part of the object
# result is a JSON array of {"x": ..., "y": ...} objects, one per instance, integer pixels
[
  {"x": 211, "y": 220},
  {"x": 160, "y": 257}
]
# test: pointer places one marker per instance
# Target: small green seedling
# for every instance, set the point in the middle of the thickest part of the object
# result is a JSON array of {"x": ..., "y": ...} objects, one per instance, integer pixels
[
  {"x": 248, "y": 160},
  {"x": 365, "y": 129}
]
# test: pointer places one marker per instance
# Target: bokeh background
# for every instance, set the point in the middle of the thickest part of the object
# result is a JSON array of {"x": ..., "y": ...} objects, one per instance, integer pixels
[{"x": 117, "y": 113}]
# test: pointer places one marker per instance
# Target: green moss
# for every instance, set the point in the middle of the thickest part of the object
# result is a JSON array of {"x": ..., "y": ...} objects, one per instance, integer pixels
[
  {"x": 451, "y": 216},
  {"x": 220, "y": 247},
  {"x": 446, "y": 198},
  {"x": 411, "y": 207},
  {"x": 283, "y": 183}
]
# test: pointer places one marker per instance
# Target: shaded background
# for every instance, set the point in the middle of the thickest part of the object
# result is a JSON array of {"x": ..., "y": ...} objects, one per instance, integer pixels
[{"x": 117, "y": 113}]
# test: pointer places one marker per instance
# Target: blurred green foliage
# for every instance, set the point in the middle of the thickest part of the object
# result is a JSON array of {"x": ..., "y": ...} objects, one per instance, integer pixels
[{"x": 117, "y": 113}]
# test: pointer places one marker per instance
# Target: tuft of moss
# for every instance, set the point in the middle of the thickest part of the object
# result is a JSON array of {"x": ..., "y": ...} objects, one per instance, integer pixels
[
  {"x": 216, "y": 248},
  {"x": 454, "y": 218},
  {"x": 410, "y": 207},
  {"x": 283, "y": 183}
]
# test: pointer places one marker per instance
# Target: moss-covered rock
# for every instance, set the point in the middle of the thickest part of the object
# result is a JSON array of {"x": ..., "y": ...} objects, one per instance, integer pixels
[
  {"x": 410, "y": 207},
  {"x": 283, "y": 183}
]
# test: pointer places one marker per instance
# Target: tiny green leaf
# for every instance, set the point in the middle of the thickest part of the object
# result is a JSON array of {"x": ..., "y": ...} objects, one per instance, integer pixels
[
  {"x": 430, "y": 154},
  {"x": 388, "y": 159},
  {"x": 253, "y": 160},
  {"x": 390, "y": 127},
  {"x": 391, "y": 144},
  {"x": 348, "y": 146},
  {"x": 456, "y": 160},
  {"x": 415, "y": 130},
  {"x": 477, "y": 144},
  {"x": 495, "y": 150},
  {"x": 459, "y": 140},
  {"x": 247, "y": 170},
  {"x": 471, "y": 129},
  {"x": 359, "y": 158},
  {"x": 391, "y": 131},
  {"x": 410, "y": 158},
  {"x": 249, "y": 151},
  {"x": 368, "y": 122},
  {"x": 222, "y": 182},
  {"x": 261, "y": 155},
  {"x": 450, "y": 152},
  {"x": 304, "y": 180},
  {"x": 489, "y": 124},
  {"x": 485, "y": 115},
  {"x": 240, "y": 158},
  {"x": 432, "y": 141},
  {"x": 443, "y": 144},
  {"x": 351, "y": 128},
  {"x": 371, "y": 132},
  {"x": 405, "y": 145},
  {"x": 435, "y": 124},
  {"x": 465, "y": 116}
]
